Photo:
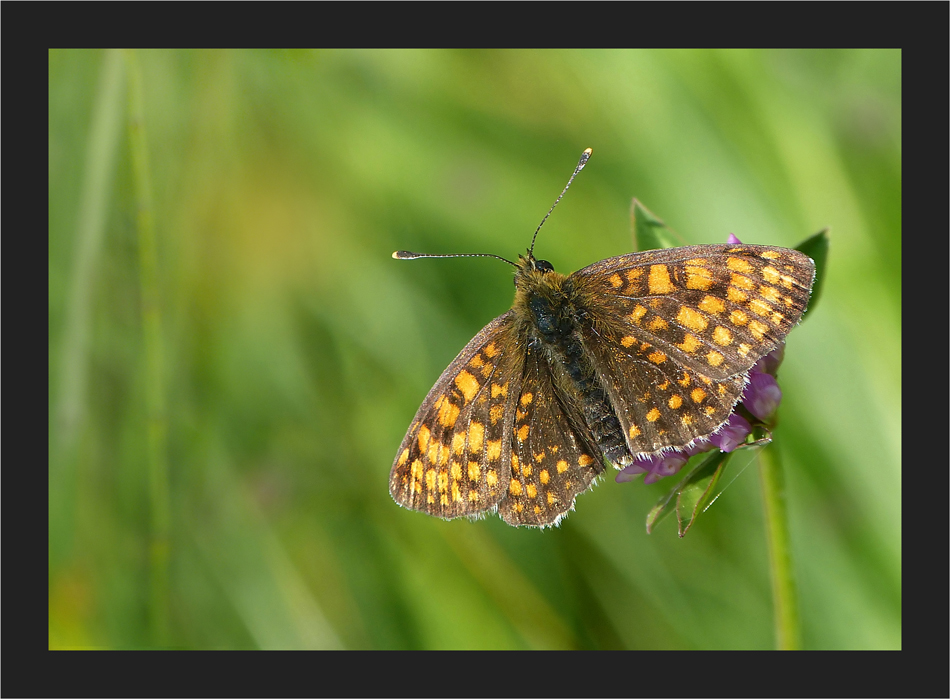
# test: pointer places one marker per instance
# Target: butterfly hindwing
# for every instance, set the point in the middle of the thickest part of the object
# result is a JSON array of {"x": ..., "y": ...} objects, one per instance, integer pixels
[
  {"x": 553, "y": 458},
  {"x": 674, "y": 332},
  {"x": 455, "y": 459},
  {"x": 663, "y": 405}
]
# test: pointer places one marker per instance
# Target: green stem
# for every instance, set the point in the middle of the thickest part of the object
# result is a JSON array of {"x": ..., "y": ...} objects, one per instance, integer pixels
[
  {"x": 156, "y": 421},
  {"x": 784, "y": 591},
  {"x": 97, "y": 184}
]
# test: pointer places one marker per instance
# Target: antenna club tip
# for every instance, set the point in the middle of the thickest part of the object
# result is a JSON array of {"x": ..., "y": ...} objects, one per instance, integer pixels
[
  {"x": 404, "y": 255},
  {"x": 585, "y": 156}
]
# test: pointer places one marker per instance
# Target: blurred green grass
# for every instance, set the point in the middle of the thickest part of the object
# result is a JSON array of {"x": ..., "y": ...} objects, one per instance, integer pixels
[{"x": 295, "y": 351}]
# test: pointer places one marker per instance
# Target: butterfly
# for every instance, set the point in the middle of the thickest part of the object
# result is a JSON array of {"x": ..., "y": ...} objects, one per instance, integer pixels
[{"x": 630, "y": 356}]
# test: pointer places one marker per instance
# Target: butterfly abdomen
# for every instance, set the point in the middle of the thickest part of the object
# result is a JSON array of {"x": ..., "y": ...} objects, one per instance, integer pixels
[{"x": 552, "y": 314}]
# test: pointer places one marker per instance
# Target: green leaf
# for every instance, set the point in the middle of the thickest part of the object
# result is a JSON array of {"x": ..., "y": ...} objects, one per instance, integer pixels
[
  {"x": 816, "y": 247},
  {"x": 760, "y": 436},
  {"x": 664, "y": 507},
  {"x": 692, "y": 495},
  {"x": 698, "y": 490},
  {"x": 649, "y": 232}
]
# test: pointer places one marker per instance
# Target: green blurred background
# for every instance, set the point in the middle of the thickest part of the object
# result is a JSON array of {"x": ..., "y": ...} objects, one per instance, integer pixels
[{"x": 234, "y": 357}]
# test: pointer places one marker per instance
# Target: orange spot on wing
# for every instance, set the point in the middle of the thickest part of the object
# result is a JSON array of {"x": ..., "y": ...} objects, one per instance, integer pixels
[
  {"x": 467, "y": 384},
  {"x": 659, "y": 280}
]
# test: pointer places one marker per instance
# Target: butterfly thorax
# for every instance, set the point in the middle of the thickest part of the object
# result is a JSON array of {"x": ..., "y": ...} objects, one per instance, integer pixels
[{"x": 550, "y": 313}]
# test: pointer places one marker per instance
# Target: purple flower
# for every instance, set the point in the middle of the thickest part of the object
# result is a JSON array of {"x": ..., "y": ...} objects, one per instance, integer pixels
[
  {"x": 656, "y": 467},
  {"x": 769, "y": 363},
  {"x": 732, "y": 434},
  {"x": 762, "y": 395}
]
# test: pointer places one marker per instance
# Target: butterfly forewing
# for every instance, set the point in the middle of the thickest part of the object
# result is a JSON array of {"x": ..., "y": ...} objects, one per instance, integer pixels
[
  {"x": 674, "y": 332},
  {"x": 455, "y": 459},
  {"x": 553, "y": 458}
]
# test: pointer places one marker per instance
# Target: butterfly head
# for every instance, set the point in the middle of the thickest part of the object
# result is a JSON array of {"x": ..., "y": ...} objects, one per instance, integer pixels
[
  {"x": 529, "y": 263},
  {"x": 543, "y": 266},
  {"x": 532, "y": 272},
  {"x": 537, "y": 286}
]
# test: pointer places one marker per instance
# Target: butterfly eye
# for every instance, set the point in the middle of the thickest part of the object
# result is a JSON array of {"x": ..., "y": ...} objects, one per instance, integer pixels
[{"x": 543, "y": 266}]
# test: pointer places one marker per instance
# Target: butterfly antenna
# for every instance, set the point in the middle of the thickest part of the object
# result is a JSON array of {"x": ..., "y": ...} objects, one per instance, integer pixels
[
  {"x": 585, "y": 156},
  {"x": 406, "y": 255}
]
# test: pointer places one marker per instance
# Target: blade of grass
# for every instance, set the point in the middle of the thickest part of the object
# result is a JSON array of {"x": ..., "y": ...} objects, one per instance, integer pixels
[
  {"x": 156, "y": 420},
  {"x": 98, "y": 170}
]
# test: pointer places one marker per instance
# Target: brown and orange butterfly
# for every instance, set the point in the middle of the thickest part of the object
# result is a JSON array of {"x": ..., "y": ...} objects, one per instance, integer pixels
[{"x": 630, "y": 356}]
